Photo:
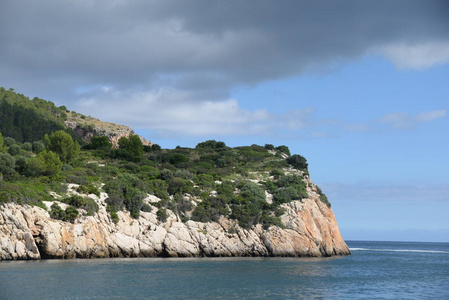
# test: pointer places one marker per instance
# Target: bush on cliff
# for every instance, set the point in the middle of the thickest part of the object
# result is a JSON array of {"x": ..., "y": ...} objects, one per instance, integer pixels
[
  {"x": 129, "y": 188},
  {"x": 88, "y": 204}
]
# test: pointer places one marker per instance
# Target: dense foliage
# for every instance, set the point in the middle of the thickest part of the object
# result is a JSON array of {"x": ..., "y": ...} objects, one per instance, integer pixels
[
  {"x": 28, "y": 120},
  {"x": 221, "y": 181}
]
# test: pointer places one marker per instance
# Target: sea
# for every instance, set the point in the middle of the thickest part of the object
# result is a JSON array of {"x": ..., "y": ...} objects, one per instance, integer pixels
[{"x": 375, "y": 270}]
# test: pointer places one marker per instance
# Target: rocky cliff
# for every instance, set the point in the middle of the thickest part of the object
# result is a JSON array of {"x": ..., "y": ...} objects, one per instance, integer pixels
[
  {"x": 28, "y": 232},
  {"x": 87, "y": 127}
]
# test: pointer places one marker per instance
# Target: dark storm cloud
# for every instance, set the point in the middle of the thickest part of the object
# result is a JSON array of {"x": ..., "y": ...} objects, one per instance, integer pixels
[{"x": 55, "y": 45}]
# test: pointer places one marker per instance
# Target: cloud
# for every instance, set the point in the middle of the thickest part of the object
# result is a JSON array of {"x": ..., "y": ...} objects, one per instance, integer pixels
[
  {"x": 407, "y": 121},
  {"x": 167, "y": 113},
  {"x": 52, "y": 46},
  {"x": 177, "y": 62},
  {"x": 418, "y": 56}
]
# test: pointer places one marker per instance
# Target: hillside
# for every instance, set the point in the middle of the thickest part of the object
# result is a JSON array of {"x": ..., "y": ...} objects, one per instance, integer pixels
[
  {"x": 28, "y": 120},
  {"x": 60, "y": 200}
]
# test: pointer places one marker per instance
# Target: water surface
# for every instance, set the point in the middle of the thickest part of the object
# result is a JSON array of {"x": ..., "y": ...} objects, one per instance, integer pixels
[{"x": 375, "y": 270}]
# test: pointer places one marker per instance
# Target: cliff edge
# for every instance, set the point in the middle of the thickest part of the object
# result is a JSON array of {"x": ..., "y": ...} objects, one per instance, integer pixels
[{"x": 86, "y": 127}]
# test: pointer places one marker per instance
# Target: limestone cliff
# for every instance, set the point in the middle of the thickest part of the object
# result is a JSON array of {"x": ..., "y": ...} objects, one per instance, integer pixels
[
  {"x": 87, "y": 127},
  {"x": 28, "y": 232}
]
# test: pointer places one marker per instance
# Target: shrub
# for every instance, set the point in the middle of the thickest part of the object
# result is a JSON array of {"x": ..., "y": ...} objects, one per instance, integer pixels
[
  {"x": 88, "y": 204},
  {"x": 166, "y": 174},
  {"x": 70, "y": 214},
  {"x": 113, "y": 213},
  {"x": 38, "y": 147},
  {"x": 2, "y": 145},
  {"x": 61, "y": 143},
  {"x": 57, "y": 212},
  {"x": 184, "y": 174},
  {"x": 178, "y": 185},
  {"x": 77, "y": 179},
  {"x": 323, "y": 197},
  {"x": 298, "y": 162},
  {"x": 100, "y": 143},
  {"x": 248, "y": 207},
  {"x": 7, "y": 164},
  {"x": 115, "y": 202},
  {"x": 211, "y": 144},
  {"x": 177, "y": 158},
  {"x": 45, "y": 163},
  {"x": 268, "y": 220},
  {"x": 226, "y": 189},
  {"x": 22, "y": 165},
  {"x": 88, "y": 189},
  {"x": 247, "y": 214},
  {"x": 289, "y": 180},
  {"x": 283, "y": 149},
  {"x": 270, "y": 185},
  {"x": 25, "y": 192},
  {"x": 205, "y": 180},
  {"x": 148, "y": 172},
  {"x": 14, "y": 149},
  {"x": 146, "y": 207},
  {"x": 129, "y": 188},
  {"x": 130, "y": 148},
  {"x": 155, "y": 147},
  {"x": 253, "y": 192},
  {"x": 158, "y": 188},
  {"x": 9, "y": 141},
  {"x": 286, "y": 194},
  {"x": 66, "y": 167},
  {"x": 162, "y": 215},
  {"x": 206, "y": 211},
  {"x": 27, "y": 146},
  {"x": 131, "y": 166},
  {"x": 276, "y": 173},
  {"x": 184, "y": 205},
  {"x": 292, "y": 182},
  {"x": 279, "y": 211}
]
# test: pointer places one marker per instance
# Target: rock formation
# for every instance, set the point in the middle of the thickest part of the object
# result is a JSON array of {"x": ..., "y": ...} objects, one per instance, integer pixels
[
  {"x": 88, "y": 127},
  {"x": 28, "y": 232}
]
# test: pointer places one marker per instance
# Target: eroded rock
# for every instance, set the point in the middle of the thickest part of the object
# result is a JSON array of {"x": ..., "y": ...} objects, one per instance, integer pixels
[{"x": 29, "y": 233}]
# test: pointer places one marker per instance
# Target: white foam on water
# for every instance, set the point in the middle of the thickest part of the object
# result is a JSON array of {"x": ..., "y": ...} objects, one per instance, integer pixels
[{"x": 399, "y": 250}]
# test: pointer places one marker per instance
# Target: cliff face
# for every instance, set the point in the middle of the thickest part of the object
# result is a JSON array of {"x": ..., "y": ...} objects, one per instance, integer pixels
[
  {"x": 88, "y": 127},
  {"x": 29, "y": 233}
]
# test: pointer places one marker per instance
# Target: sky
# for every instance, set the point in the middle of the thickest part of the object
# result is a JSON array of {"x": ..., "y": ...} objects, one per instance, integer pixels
[{"x": 359, "y": 88}]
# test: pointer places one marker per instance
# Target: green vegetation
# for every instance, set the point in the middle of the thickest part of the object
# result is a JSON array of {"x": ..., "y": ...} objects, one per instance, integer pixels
[
  {"x": 63, "y": 145},
  {"x": 202, "y": 183},
  {"x": 28, "y": 120},
  {"x": 297, "y": 161},
  {"x": 2, "y": 146},
  {"x": 87, "y": 204},
  {"x": 323, "y": 197}
]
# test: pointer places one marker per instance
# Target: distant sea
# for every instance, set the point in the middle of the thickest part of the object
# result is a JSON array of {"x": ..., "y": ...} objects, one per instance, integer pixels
[{"x": 375, "y": 270}]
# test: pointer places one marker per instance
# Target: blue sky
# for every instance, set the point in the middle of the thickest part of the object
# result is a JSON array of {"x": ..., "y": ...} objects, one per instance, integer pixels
[
  {"x": 387, "y": 177},
  {"x": 360, "y": 88}
]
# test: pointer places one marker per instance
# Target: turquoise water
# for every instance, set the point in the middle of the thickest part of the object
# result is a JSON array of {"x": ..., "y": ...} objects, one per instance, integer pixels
[{"x": 376, "y": 270}]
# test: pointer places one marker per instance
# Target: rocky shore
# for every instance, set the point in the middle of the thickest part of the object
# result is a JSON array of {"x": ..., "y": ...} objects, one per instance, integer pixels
[{"x": 28, "y": 232}]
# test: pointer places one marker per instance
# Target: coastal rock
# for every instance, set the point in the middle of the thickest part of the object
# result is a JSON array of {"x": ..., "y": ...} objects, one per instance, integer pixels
[{"x": 28, "y": 232}]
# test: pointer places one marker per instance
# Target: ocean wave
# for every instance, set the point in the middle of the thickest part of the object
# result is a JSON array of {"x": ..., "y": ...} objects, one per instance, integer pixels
[{"x": 399, "y": 250}]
